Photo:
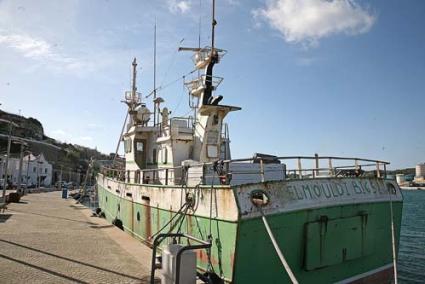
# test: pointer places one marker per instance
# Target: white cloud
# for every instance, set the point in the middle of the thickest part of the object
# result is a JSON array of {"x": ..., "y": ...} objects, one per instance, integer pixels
[
  {"x": 178, "y": 6},
  {"x": 93, "y": 125},
  {"x": 59, "y": 132},
  {"x": 86, "y": 138},
  {"x": 29, "y": 47},
  {"x": 310, "y": 20},
  {"x": 40, "y": 50},
  {"x": 233, "y": 2}
]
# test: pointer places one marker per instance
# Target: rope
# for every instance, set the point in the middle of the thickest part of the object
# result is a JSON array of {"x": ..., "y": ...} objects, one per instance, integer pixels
[
  {"x": 277, "y": 249},
  {"x": 210, "y": 266},
  {"x": 393, "y": 238},
  {"x": 182, "y": 219},
  {"x": 169, "y": 221},
  {"x": 119, "y": 140},
  {"x": 83, "y": 191},
  {"x": 211, "y": 197}
]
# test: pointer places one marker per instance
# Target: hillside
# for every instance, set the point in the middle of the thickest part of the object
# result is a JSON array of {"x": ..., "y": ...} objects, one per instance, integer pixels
[{"x": 70, "y": 157}]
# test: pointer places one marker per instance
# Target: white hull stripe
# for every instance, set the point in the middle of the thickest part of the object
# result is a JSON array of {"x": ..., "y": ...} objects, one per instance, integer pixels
[{"x": 366, "y": 274}]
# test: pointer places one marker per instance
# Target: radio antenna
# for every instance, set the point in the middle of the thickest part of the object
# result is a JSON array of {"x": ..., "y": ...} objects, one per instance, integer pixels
[{"x": 154, "y": 73}]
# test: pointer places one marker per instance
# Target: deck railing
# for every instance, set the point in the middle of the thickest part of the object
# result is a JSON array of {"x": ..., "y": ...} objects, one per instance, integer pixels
[{"x": 293, "y": 167}]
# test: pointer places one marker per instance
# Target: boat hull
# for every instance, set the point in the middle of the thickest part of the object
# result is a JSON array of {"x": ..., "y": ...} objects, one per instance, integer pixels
[{"x": 327, "y": 233}]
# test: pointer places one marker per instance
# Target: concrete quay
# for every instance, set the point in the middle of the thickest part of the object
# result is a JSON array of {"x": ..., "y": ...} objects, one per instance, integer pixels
[{"x": 46, "y": 239}]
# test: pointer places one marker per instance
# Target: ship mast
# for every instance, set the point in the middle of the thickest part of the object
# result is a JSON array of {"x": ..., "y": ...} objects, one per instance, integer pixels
[
  {"x": 154, "y": 76},
  {"x": 133, "y": 85},
  {"x": 214, "y": 23},
  {"x": 205, "y": 58},
  {"x": 132, "y": 98}
]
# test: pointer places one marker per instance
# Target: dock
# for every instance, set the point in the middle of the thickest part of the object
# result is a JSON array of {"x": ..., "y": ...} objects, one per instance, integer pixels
[{"x": 47, "y": 239}]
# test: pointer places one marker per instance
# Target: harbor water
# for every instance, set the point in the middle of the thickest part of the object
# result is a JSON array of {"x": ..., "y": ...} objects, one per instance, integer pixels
[{"x": 411, "y": 263}]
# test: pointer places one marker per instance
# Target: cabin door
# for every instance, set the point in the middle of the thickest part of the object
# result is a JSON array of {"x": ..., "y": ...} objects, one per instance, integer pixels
[{"x": 140, "y": 153}]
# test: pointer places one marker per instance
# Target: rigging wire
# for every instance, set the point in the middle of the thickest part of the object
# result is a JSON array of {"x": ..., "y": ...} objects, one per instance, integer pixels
[
  {"x": 174, "y": 110},
  {"x": 171, "y": 83},
  {"x": 173, "y": 59},
  {"x": 119, "y": 140}
]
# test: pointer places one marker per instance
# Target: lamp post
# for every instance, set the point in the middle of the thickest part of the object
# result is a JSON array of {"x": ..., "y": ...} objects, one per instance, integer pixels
[
  {"x": 9, "y": 142},
  {"x": 21, "y": 157},
  {"x": 38, "y": 171},
  {"x": 28, "y": 168}
]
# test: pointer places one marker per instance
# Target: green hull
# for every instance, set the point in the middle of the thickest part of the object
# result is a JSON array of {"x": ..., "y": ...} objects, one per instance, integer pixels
[
  {"x": 369, "y": 251},
  {"x": 322, "y": 244},
  {"x": 152, "y": 219}
]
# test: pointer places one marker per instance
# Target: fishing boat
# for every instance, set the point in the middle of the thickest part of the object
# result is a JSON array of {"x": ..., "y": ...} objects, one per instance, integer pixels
[{"x": 263, "y": 219}]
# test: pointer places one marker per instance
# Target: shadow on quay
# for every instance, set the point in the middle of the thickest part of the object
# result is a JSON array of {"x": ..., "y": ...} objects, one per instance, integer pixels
[
  {"x": 102, "y": 226},
  {"x": 76, "y": 207},
  {"x": 4, "y": 217},
  {"x": 43, "y": 269},
  {"x": 55, "y": 217},
  {"x": 67, "y": 259}
]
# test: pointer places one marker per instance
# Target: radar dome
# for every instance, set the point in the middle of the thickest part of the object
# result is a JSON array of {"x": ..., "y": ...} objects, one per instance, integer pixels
[{"x": 143, "y": 114}]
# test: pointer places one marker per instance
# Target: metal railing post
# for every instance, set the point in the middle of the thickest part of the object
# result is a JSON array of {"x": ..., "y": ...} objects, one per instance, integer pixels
[
  {"x": 331, "y": 173},
  {"x": 262, "y": 170},
  {"x": 378, "y": 172},
  {"x": 385, "y": 171},
  {"x": 316, "y": 170},
  {"x": 300, "y": 175}
]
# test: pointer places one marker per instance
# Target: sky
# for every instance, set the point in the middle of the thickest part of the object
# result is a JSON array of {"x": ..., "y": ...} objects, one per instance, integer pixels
[{"x": 333, "y": 77}]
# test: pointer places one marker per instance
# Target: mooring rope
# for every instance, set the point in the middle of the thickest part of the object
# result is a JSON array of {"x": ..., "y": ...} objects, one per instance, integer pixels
[
  {"x": 393, "y": 237},
  {"x": 277, "y": 249},
  {"x": 169, "y": 221}
]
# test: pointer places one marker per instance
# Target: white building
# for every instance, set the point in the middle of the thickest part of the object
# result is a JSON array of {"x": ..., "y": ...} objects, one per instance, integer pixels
[{"x": 36, "y": 170}]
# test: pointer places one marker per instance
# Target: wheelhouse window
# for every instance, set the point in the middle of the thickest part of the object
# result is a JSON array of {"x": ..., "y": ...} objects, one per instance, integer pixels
[
  {"x": 163, "y": 153},
  {"x": 139, "y": 146},
  {"x": 127, "y": 145},
  {"x": 140, "y": 153},
  {"x": 154, "y": 158}
]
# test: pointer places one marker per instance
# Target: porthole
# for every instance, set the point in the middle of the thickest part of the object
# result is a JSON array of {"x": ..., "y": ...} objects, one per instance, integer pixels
[
  {"x": 391, "y": 188},
  {"x": 259, "y": 198},
  {"x": 138, "y": 216}
]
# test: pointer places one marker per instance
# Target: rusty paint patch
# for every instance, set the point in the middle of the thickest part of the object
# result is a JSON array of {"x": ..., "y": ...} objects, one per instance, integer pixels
[
  {"x": 232, "y": 259},
  {"x": 189, "y": 224},
  {"x": 202, "y": 256},
  {"x": 148, "y": 220}
]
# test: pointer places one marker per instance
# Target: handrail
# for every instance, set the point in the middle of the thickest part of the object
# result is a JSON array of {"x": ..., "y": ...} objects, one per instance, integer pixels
[
  {"x": 177, "y": 174},
  {"x": 158, "y": 240}
]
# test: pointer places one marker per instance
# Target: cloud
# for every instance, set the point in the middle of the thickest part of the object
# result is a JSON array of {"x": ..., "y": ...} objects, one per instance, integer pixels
[
  {"x": 176, "y": 6},
  {"x": 29, "y": 47},
  {"x": 40, "y": 50},
  {"x": 233, "y": 2},
  {"x": 307, "y": 21},
  {"x": 305, "y": 61},
  {"x": 94, "y": 126},
  {"x": 59, "y": 132},
  {"x": 86, "y": 138}
]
